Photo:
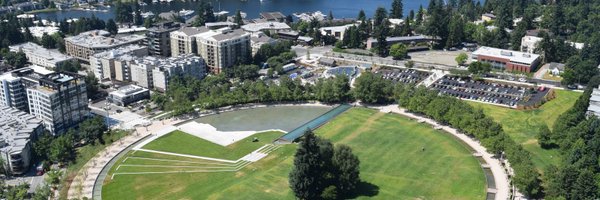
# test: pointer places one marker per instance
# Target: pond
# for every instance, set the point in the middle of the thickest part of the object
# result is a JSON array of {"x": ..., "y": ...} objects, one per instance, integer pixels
[{"x": 285, "y": 118}]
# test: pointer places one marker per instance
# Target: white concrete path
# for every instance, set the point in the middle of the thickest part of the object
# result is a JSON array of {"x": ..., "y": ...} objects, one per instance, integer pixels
[{"x": 500, "y": 175}]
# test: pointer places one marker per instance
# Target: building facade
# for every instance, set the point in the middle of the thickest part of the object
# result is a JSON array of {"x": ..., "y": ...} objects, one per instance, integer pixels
[
  {"x": 59, "y": 100},
  {"x": 158, "y": 38},
  {"x": 110, "y": 65},
  {"x": 224, "y": 48},
  {"x": 507, "y": 59},
  {"x": 183, "y": 41},
  {"x": 128, "y": 94},
  {"x": 18, "y": 131},
  {"x": 86, "y": 44},
  {"x": 184, "y": 65},
  {"x": 41, "y": 56}
]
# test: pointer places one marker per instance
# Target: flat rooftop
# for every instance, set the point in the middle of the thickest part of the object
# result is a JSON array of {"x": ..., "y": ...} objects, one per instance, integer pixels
[
  {"x": 255, "y": 27},
  {"x": 100, "y": 39},
  {"x": 513, "y": 56},
  {"x": 15, "y": 128},
  {"x": 128, "y": 90},
  {"x": 39, "y": 51}
]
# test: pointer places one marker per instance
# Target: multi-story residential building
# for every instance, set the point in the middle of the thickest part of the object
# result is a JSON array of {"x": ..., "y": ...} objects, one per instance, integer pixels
[
  {"x": 273, "y": 16},
  {"x": 41, "y": 56},
  {"x": 184, "y": 65},
  {"x": 13, "y": 86},
  {"x": 259, "y": 39},
  {"x": 507, "y": 59},
  {"x": 220, "y": 48},
  {"x": 272, "y": 27},
  {"x": 141, "y": 71},
  {"x": 18, "y": 131},
  {"x": 158, "y": 38},
  {"x": 224, "y": 48},
  {"x": 89, "y": 43},
  {"x": 59, "y": 100},
  {"x": 108, "y": 65},
  {"x": 183, "y": 41}
]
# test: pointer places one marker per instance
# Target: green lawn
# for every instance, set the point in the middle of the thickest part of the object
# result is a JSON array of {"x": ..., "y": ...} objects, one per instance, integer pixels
[
  {"x": 522, "y": 125},
  {"x": 388, "y": 145},
  {"x": 181, "y": 142}
]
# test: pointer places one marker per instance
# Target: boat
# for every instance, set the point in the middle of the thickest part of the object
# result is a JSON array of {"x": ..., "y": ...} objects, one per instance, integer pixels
[{"x": 154, "y": 1}]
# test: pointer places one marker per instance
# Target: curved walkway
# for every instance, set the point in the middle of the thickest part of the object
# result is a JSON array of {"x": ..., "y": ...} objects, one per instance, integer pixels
[{"x": 502, "y": 190}]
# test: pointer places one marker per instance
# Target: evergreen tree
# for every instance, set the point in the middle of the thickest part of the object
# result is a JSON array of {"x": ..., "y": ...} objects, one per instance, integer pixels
[
  {"x": 347, "y": 168},
  {"x": 419, "y": 17},
  {"x": 380, "y": 16},
  {"x": 330, "y": 16},
  {"x": 238, "y": 18},
  {"x": 455, "y": 35},
  {"x": 361, "y": 16},
  {"x": 111, "y": 27},
  {"x": 137, "y": 17},
  {"x": 306, "y": 176},
  {"x": 381, "y": 34},
  {"x": 27, "y": 36},
  {"x": 397, "y": 9},
  {"x": 545, "y": 137},
  {"x": 48, "y": 42}
]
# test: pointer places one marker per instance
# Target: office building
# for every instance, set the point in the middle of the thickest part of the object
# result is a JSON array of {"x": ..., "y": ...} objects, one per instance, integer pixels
[
  {"x": 128, "y": 94},
  {"x": 507, "y": 59},
  {"x": 110, "y": 65},
  {"x": 59, "y": 100},
  {"x": 18, "y": 131},
  {"x": 335, "y": 31},
  {"x": 158, "y": 38},
  {"x": 86, "y": 44},
  {"x": 41, "y": 56}
]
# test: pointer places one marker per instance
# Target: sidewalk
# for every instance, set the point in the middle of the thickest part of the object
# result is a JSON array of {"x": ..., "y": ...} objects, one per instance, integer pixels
[
  {"x": 500, "y": 176},
  {"x": 83, "y": 184}
]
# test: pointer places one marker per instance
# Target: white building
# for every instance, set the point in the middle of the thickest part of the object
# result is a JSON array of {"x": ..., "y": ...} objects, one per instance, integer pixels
[
  {"x": 41, "y": 56},
  {"x": 594, "y": 107},
  {"x": 107, "y": 66},
  {"x": 259, "y": 39},
  {"x": 89, "y": 43},
  {"x": 272, "y": 27},
  {"x": 223, "y": 48},
  {"x": 59, "y": 100},
  {"x": 184, "y": 65},
  {"x": 38, "y": 31},
  {"x": 335, "y": 31},
  {"x": 529, "y": 43},
  {"x": 18, "y": 130},
  {"x": 128, "y": 94},
  {"x": 183, "y": 41}
]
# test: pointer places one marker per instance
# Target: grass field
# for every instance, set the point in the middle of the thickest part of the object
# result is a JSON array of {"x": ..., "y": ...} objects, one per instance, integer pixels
[
  {"x": 522, "y": 125},
  {"x": 180, "y": 142},
  {"x": 389, "y": 147}
]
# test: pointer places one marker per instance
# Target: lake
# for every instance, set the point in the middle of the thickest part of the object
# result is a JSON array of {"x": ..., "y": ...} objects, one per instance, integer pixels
[{"x": 340, "y": 8}]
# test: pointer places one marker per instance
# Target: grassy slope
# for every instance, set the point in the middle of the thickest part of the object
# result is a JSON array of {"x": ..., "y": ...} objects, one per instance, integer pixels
[
  {"x": 522, "y": 125},
  {"x": 389, "y": 147},
  {"x": 181, "y": 142}
]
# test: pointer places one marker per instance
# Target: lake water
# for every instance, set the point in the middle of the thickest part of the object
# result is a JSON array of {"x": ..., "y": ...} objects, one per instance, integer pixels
[{"x": 340, "y": 8}]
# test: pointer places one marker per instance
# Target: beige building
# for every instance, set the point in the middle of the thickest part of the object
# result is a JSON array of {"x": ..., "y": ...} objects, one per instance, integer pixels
[
  {"x": 86, "y": 44},
  {"x": 183, "y": 41},
  {"x": 41, "y": 56},
  {"x": 111, "y": 64},
  {"x": 223, "y": 48}
]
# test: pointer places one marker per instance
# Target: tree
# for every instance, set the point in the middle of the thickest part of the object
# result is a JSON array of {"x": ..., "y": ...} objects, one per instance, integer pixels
[
  {"x": 396, "y": 11},
  {"x": 92, "y": 129},
  {"x": 585, "y": 187},
  {"x": 48, "y": 42},
  {"x": 42, "y": 193},
  {"x": 347, "y": 168},
  {"x": 419, "y": 17},
  {"x": 544, "y": 137},
  {"x": 137, "y": 14},
  {"x": 62, "y": 149},
  {"x": 380, "y": 16},
  {"x": 238, "y": 18},
  {"x": 42, "y": 145},
  {"x": 398, "y": 51},
  {"x": 91, "y": 85},
  {"x": 461, "y": 59},
  {"x": 381, "y": 35},
  {"x": 361, "y": 16},
  {"x": 455, "y": 34},
  {"x": 372, "y": 88},
  {"x": 53, "y": 178},
  {"x": 111, "y": 27},
  {"x": 330, "y": 16},
  {"x": 479, "y": 67},
  {"x": 409, "y": 64},
  {"x": 306, "y": 176}
]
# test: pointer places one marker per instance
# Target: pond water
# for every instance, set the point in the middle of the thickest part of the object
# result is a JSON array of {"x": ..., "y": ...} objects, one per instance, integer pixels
[{"x": 286, "y": 118}]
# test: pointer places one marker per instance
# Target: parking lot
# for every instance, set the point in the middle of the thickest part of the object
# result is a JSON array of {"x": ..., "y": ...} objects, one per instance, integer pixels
[
  {"x": 489, "y": 92},
  {"x": 409, "y": 76}
]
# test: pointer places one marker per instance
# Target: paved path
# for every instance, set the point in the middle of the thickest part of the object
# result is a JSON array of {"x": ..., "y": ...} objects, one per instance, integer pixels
[
  {"x": 83, "y": 183},
  {"x": 499, "y": 172}
]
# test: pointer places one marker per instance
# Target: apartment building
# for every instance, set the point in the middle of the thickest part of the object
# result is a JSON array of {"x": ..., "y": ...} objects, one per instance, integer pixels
[
  {"x": 158, "y": 38},
  {"x": 13, "y": 86},
  {"x": 110, "y": 64},
  {"x": 18, "y": 131},
  {"x": 223, "y": 48},
  {"x": 59, "y": 100},
  {"x": 86, "y": 44},
  {"x": 183, "y": 41},
  {"x": 184, "y": 65},
  {"x": 41, "y": 56}
]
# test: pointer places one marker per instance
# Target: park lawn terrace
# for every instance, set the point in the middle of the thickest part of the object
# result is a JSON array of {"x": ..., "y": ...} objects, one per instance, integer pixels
[
  {"x": 389, "y": 146},
  {"x": 183, "y": 143},
  {"x": 522, "y": 125}
]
